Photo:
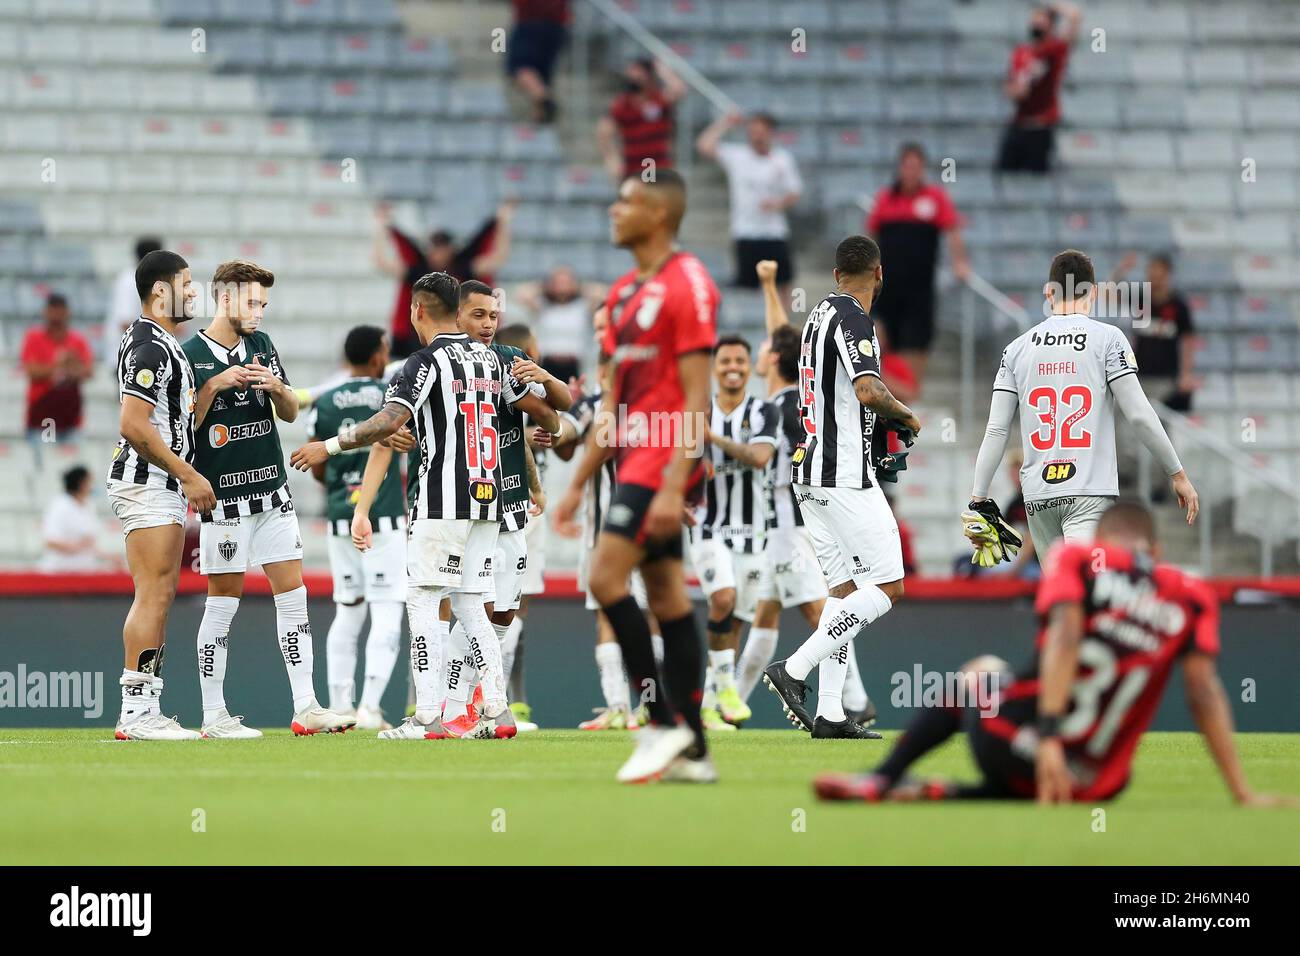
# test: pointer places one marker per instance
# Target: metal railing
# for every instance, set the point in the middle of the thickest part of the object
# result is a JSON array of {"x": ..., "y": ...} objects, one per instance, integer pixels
[{"x": 1260, "y": 517}]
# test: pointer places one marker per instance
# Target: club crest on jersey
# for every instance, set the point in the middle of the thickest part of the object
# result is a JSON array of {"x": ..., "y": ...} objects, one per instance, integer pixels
[
  {"x": 1058, "y": 471},
  {"x": 484, "y": 492},
  {"x": 227, "y": 549}
]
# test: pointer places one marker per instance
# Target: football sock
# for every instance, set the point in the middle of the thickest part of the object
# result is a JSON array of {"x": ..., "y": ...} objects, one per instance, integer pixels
[
  {"x": 657, "y": 646},
  {"x": 137, "y": 695},
  {"x": 613, "y": 681},
  {"x": 428, "y": 637},
  {"x": 683, "y": 661},
  {"x": 723, "y": 665},
  {"x": 517, "y": 665},
  {"x": 855, "y": 694},
  {"x": 341, "y": 653},
  {"x": 932, "y": 726},
  {"x": 830, "y": 685},
  {"x": 214, "y": 639},
  {"x": 709, "y": 690},
  {"x": 633, "y": 633},
  {"x": 295, "y": 645},
  {"x": 840, "y": 621},
  {"x": 383, "y": 644},
  {"x": 759, "y": 648},
  {"x": 509, "y": 644},
  {"x": 459, "y": 666},
  {"x": 484, "y": 649}
]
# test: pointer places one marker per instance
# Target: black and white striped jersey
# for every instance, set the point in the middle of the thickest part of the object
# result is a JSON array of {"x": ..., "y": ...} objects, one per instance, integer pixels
[
  {"x": 151, "y": 366},
  {"x": 735, "y": 497},
  {"x": 838, "y": 347},
  {"x": 782, "y": 508},
  {"x": 454, "y": 387},
  {"x": 601, "y": 485}
]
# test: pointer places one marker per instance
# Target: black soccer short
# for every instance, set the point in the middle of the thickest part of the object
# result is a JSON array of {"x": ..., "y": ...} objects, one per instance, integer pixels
[
  {"x": 535, "y": 44},
  {"x": 907, "y": 309},
  {"x": 1026, "y": 149},
  {"x": 1007, "y": 773},
  {"x": 626, "y": 518},
  {"x": 750, "y": 252}
]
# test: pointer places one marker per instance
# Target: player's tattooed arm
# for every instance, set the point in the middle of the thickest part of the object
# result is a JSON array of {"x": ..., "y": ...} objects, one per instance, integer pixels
[
  {"x": 376, "y": 428},
  {"x": 874, "y": 394}
]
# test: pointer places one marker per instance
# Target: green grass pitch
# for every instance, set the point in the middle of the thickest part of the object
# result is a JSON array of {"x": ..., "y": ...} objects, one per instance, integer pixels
[{"x": 77, "y": 797}]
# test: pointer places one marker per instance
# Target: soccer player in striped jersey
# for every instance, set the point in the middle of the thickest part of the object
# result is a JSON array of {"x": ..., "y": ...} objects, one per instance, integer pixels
[
  {"x": 152, "y": 481},
  {"x": 729, "y": 535},
  {"x": 374, "y": 581},
  {"x": 854, "y": 533},
  {"x": 521, "y": 498},
  {"x": 795, "y": 578},
  {"x": 242, "y": 390},
  {"x": 451, "y": 389},
  {"x": 662, "y": 326},
  {"x": 1113, "y": 624},
  {"x": 1067, "y": 375}
]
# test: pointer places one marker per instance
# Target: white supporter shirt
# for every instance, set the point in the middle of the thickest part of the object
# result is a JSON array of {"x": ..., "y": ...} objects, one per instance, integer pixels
[
  {"x": 1061, "y": 371},
  {"x": 68, "y": 521},
  {"x": 123, "y": 309},
  {"x": 754, "y": 178}
]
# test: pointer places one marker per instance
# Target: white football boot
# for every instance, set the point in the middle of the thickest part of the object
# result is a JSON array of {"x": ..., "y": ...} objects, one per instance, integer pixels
[
  {"x": 316, "y": 719},
  {"x": 656, "y": 748},
  {"x": 691, "y": 770},
  {"x": 229, "y": 728},
  {"x": 368, "y": 719},
  {"x": 412, "y": 728},
  {"x": 154, "y": 727}
]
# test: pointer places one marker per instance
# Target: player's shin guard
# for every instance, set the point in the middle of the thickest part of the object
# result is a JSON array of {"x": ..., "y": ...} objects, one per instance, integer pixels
[
  {"x": 428, "y": 637},
  {"x": 214, "y": 640},
  {"x": 931, "y": 727},
  {"x": 830, "y": 685},
  {"x": 633, "y": 633},
  {"x": 840, "y": 622},
  {"x": 382, "y": 647},
  {"x": 295, "y": 645},
  {"x": 484, "y": 650},
  {"x": 759, "y": 648},
  {"x": 683, "y": 660},
  {"x": 341, "y": 654}
]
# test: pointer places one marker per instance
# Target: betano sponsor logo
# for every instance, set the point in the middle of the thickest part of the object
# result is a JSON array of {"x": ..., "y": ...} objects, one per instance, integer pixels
[{"x": 219, "y": 435}]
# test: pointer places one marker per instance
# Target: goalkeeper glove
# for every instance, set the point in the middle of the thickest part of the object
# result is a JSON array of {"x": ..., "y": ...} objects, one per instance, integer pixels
[
  {"x": 887, "y": 468},
  {"x": 988, "y": 531}
]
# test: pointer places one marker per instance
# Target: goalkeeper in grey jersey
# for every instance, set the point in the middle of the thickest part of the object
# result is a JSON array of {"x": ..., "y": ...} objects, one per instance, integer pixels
[{"x": 1066, "y": 375}]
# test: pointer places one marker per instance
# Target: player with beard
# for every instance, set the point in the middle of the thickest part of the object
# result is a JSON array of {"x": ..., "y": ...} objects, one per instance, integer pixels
[{"x": 662, "y": 327}]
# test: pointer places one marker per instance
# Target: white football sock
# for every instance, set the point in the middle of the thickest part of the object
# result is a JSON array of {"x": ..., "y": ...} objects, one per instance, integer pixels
[
  {"x": 484, "y": 649},
  {"x": 855, "y": 694},
  {"x": 295, "y": 646},
  {"x": 613, "y": 680},
  {"x": 509, "y": 643},
  {"x": 757, "y": 654},
  {"x": 830, "y": 685},
  {"x": 459, "y": 669},
  {"x": 428, "y": 637},
  {"x": 137, "y": 695},
  {"x": 840, "y": 622},
  {"x": 723, "y": 665},
  {"x": 383, "y": 644},
  {"x": 657, "y": 646},
  {"x": 341, "y": 653},
  {"x": 214, "y": 641}
]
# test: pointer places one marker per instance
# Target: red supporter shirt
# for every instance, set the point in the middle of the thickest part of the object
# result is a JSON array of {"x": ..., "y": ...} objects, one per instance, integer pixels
[
  {"x": 1139, "y": 618},
  {"x": 1042, "y": 64},
  {"x": 39, "y": 346},
  {"x": 652, "y": 323},
  {"x": 645, "y": 125},
  {"x": 907, "y": 227}
]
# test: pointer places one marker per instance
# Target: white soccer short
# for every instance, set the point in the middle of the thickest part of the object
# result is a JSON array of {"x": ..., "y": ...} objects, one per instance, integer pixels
[
  {"x": 796, "y": 577},
  {"x": 853, "y": 532},
  {"x": 232, "y": 545},
  {"x": 1073, "y": 518},
  {"x": 375, "y": 575},
  {"x": 718, "y": 567},
  {"x": 635, "y": 583},
  {"x": 509, "y": 569},
  {"x": 140, "y": 506},
  {"x": 535, "y": 534},
  {"x": 452, "y": 553}
]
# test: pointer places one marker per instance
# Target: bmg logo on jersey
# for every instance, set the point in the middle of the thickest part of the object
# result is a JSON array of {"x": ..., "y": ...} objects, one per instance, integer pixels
[{"x": 1079, "y": 340}]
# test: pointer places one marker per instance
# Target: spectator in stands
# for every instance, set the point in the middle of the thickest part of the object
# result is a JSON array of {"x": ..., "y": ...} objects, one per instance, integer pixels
[
  {"x": 395, "y": 253},
  {"x": 70, "y": 525},
  {"x": 640, "y": 123},
  {"x": 538, "y": 35},
  {"x": 561, "y": 308},
  {"x": 764, "y": 182},
  {"x": 124, "y": 301},
  {"x": 1033, "y": 84},
  {"x": 57, "y": 360},
  {"x": 906, "y": 220},
  {"x": 1164, "y": 340}
]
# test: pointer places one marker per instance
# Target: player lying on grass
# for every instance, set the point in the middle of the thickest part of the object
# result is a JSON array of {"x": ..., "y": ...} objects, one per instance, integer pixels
[{"x": 1114, "y": 623}]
